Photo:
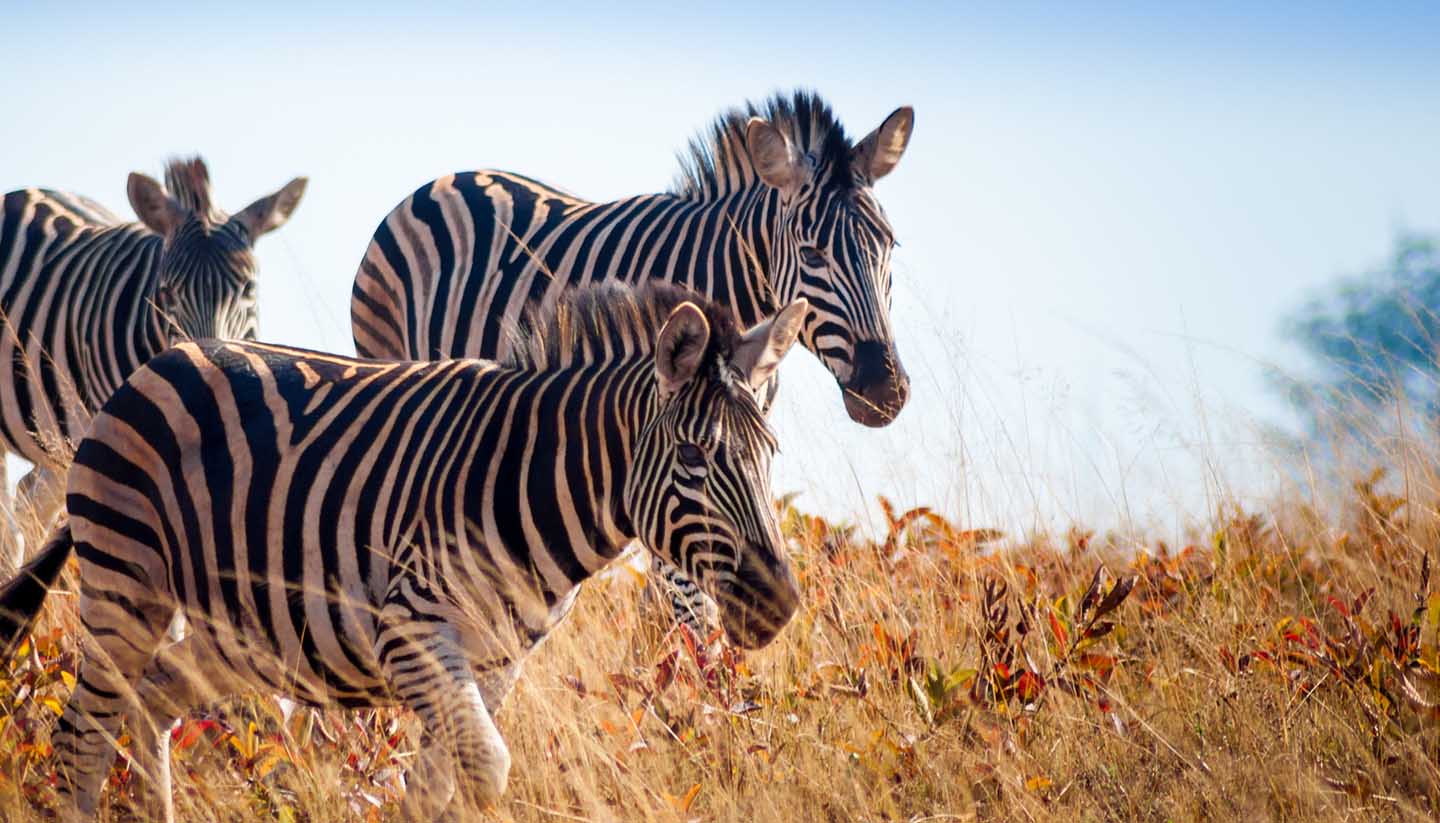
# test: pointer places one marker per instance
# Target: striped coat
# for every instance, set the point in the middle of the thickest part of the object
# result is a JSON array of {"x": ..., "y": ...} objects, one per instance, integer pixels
[
  {"x": 775, "y": 203},
  {"x": 364, "y": 533},
  {"x": 86, "y": 298}
]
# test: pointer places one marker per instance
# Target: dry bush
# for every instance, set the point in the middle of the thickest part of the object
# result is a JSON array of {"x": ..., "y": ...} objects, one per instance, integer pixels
[{"x": 1281, "y": 665}]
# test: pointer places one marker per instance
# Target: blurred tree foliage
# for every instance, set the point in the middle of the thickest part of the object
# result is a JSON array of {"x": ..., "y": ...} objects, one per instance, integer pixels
[{"x": 1372, "y": 341}]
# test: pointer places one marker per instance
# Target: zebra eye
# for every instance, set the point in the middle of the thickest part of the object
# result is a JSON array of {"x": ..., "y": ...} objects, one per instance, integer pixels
[
  {"x": 812, "y": 257},
  {"x": 691, "y": 455}
]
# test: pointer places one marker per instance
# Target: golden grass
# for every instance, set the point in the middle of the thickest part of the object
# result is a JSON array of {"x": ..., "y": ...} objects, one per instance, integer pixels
[{"x": 1280, "y": 666}]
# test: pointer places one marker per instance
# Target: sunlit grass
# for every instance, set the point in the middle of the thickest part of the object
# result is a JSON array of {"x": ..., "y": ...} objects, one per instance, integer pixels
[{"x": 1281, "y": 664}]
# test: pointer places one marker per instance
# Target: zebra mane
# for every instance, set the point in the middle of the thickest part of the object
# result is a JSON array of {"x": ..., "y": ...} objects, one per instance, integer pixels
[
  {"x": 611, "y": 321},
  {"x": 718, "y": 161},
  {"x": 188, "y": 181}
]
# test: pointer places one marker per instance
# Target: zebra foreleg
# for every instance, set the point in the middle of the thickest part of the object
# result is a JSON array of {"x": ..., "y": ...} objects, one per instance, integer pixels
[
  {"x": 681, "y": 600},
  {"x": 463, "y": 760}
]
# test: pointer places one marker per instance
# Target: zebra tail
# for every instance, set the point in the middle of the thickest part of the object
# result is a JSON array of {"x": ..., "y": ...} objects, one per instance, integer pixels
[{"x": 22, "y": 597}]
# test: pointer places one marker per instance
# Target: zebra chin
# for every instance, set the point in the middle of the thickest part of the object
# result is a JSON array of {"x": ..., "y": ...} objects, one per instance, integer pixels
[
  {"x": 753, "y": 617},
  {"x": 878, "y": 386}
]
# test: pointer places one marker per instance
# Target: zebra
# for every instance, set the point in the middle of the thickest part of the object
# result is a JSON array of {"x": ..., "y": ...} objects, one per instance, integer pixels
[
  {"x": 368, "y": 532},
  {"x": 86, "y": 298},
  {"x": 773, "y": 203}
]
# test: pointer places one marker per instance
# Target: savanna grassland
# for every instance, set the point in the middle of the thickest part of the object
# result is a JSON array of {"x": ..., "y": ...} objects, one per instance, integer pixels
[{"x": 1279, "y": 664}]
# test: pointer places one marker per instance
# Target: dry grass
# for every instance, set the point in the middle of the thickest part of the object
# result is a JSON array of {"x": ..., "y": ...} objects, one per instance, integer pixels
[{"x": 1281, "y": 666}]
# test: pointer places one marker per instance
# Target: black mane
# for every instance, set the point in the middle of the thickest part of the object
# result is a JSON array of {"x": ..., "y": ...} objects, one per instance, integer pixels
[
  {"x": 610, "y": 321},
  {"x": 188, "y": 181},
  {"x": 718, "y": 162}
]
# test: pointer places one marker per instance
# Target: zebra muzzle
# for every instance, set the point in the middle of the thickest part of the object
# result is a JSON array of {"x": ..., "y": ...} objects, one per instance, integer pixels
[
  {"x": 878, "y": 386},
  {"x": 754, "y": 611}
]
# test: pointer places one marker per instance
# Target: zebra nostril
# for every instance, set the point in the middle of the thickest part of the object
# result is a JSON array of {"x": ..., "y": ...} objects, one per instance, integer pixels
[
  {"x": 873, "y": 364},
  {"x": 878, "y": 386}
]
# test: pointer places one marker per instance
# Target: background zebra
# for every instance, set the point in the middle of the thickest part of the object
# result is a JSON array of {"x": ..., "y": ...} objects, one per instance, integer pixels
[
  {"x": 86, "y": 298},
  {"x": 363, "y": 532},
  {"x": 774, "y": 203}
]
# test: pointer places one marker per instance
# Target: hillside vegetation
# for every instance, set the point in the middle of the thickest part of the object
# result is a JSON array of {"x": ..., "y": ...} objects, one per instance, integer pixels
[{"x": 1280, "y": 665}]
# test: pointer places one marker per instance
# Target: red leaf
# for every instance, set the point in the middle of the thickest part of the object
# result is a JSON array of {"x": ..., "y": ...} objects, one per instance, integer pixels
[
  {"x": 1061, "y": 636},
  {"x": 1029, "y": 686},
  {"x": 188, "y": 734},
  {"x": 665, "y": 671}
]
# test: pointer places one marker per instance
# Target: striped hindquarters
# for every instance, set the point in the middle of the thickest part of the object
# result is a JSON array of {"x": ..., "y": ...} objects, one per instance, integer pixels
[
  {"x": 453, "y": 264},
  {"x": 239, "y": 483}
]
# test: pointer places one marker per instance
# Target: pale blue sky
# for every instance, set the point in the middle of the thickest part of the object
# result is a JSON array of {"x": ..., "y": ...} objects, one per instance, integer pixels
[{"x": 1104, "y": 210}]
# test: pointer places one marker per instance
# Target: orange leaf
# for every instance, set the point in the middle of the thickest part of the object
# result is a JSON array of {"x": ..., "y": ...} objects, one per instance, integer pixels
[
  {"x": 1037, "y": 783},
  {"x": 682, "y": 804}
]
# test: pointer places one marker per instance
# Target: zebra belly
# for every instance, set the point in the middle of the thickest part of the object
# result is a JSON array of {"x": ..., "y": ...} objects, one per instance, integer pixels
[
  {"x": 317, "y": 648},
  {"x": 261, "y": 664}
]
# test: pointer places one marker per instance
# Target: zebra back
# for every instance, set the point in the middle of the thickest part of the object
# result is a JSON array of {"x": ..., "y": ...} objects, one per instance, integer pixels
[
  {"x": 774, "y": 203},
  {"x": 86, "y": 298}
]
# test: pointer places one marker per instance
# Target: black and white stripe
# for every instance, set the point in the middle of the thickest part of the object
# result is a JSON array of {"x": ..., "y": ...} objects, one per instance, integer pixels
[
  {"x": 367, "y": 533},
  {"x": 85, "y": 299},
  {"x": 774, "y": 203}
]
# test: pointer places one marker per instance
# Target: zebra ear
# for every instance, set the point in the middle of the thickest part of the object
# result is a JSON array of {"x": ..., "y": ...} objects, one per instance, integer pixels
[
  {"x": 880, "y": 151},
  {"x": 771, "y": 154},
  {"x": 155, "y": 208},
  {"x": 682, "y": 343},
  {"x": 763, "y": 347},
  {"x": 270, "y": 212}
]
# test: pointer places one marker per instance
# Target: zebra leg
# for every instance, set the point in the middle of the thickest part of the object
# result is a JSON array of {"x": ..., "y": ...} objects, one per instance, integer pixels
[
  {"x": 689, "y": 606},
  {"x": 426, "y": 668},
  {"x": 41, "y": 493},
  {"x": 122, "y": 644},
  {"x": 175, "y": 681},
  {"x": 496, "y": 685},
  {"x": 12, "y": 553}
]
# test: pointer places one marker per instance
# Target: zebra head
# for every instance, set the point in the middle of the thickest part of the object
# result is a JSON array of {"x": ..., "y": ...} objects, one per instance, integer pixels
[
  {"x": 834, "y": 243},
  {"x": 206, "y": 283},
  {"x": 699, "y": 495}
]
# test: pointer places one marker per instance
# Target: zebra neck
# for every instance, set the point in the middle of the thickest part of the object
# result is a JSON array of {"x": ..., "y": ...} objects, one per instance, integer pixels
[
  {"x": 118, "y": 322},
  {"x": 550, "y": 472},
  {"x": 730, "y": 242},
  {"x": 624, "y": 402},
  {"x": 155, "y": 333}
]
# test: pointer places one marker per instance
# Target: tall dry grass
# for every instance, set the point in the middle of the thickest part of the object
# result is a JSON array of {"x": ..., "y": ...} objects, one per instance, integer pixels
[{"x": 1281, "y": 664}]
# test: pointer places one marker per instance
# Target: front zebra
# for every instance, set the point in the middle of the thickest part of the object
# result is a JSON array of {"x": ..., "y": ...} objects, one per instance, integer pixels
[
  {"x": 775, "y": 203},
  {"x": 366, "y": 533},
  {"x": 85, "y": 299}
]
